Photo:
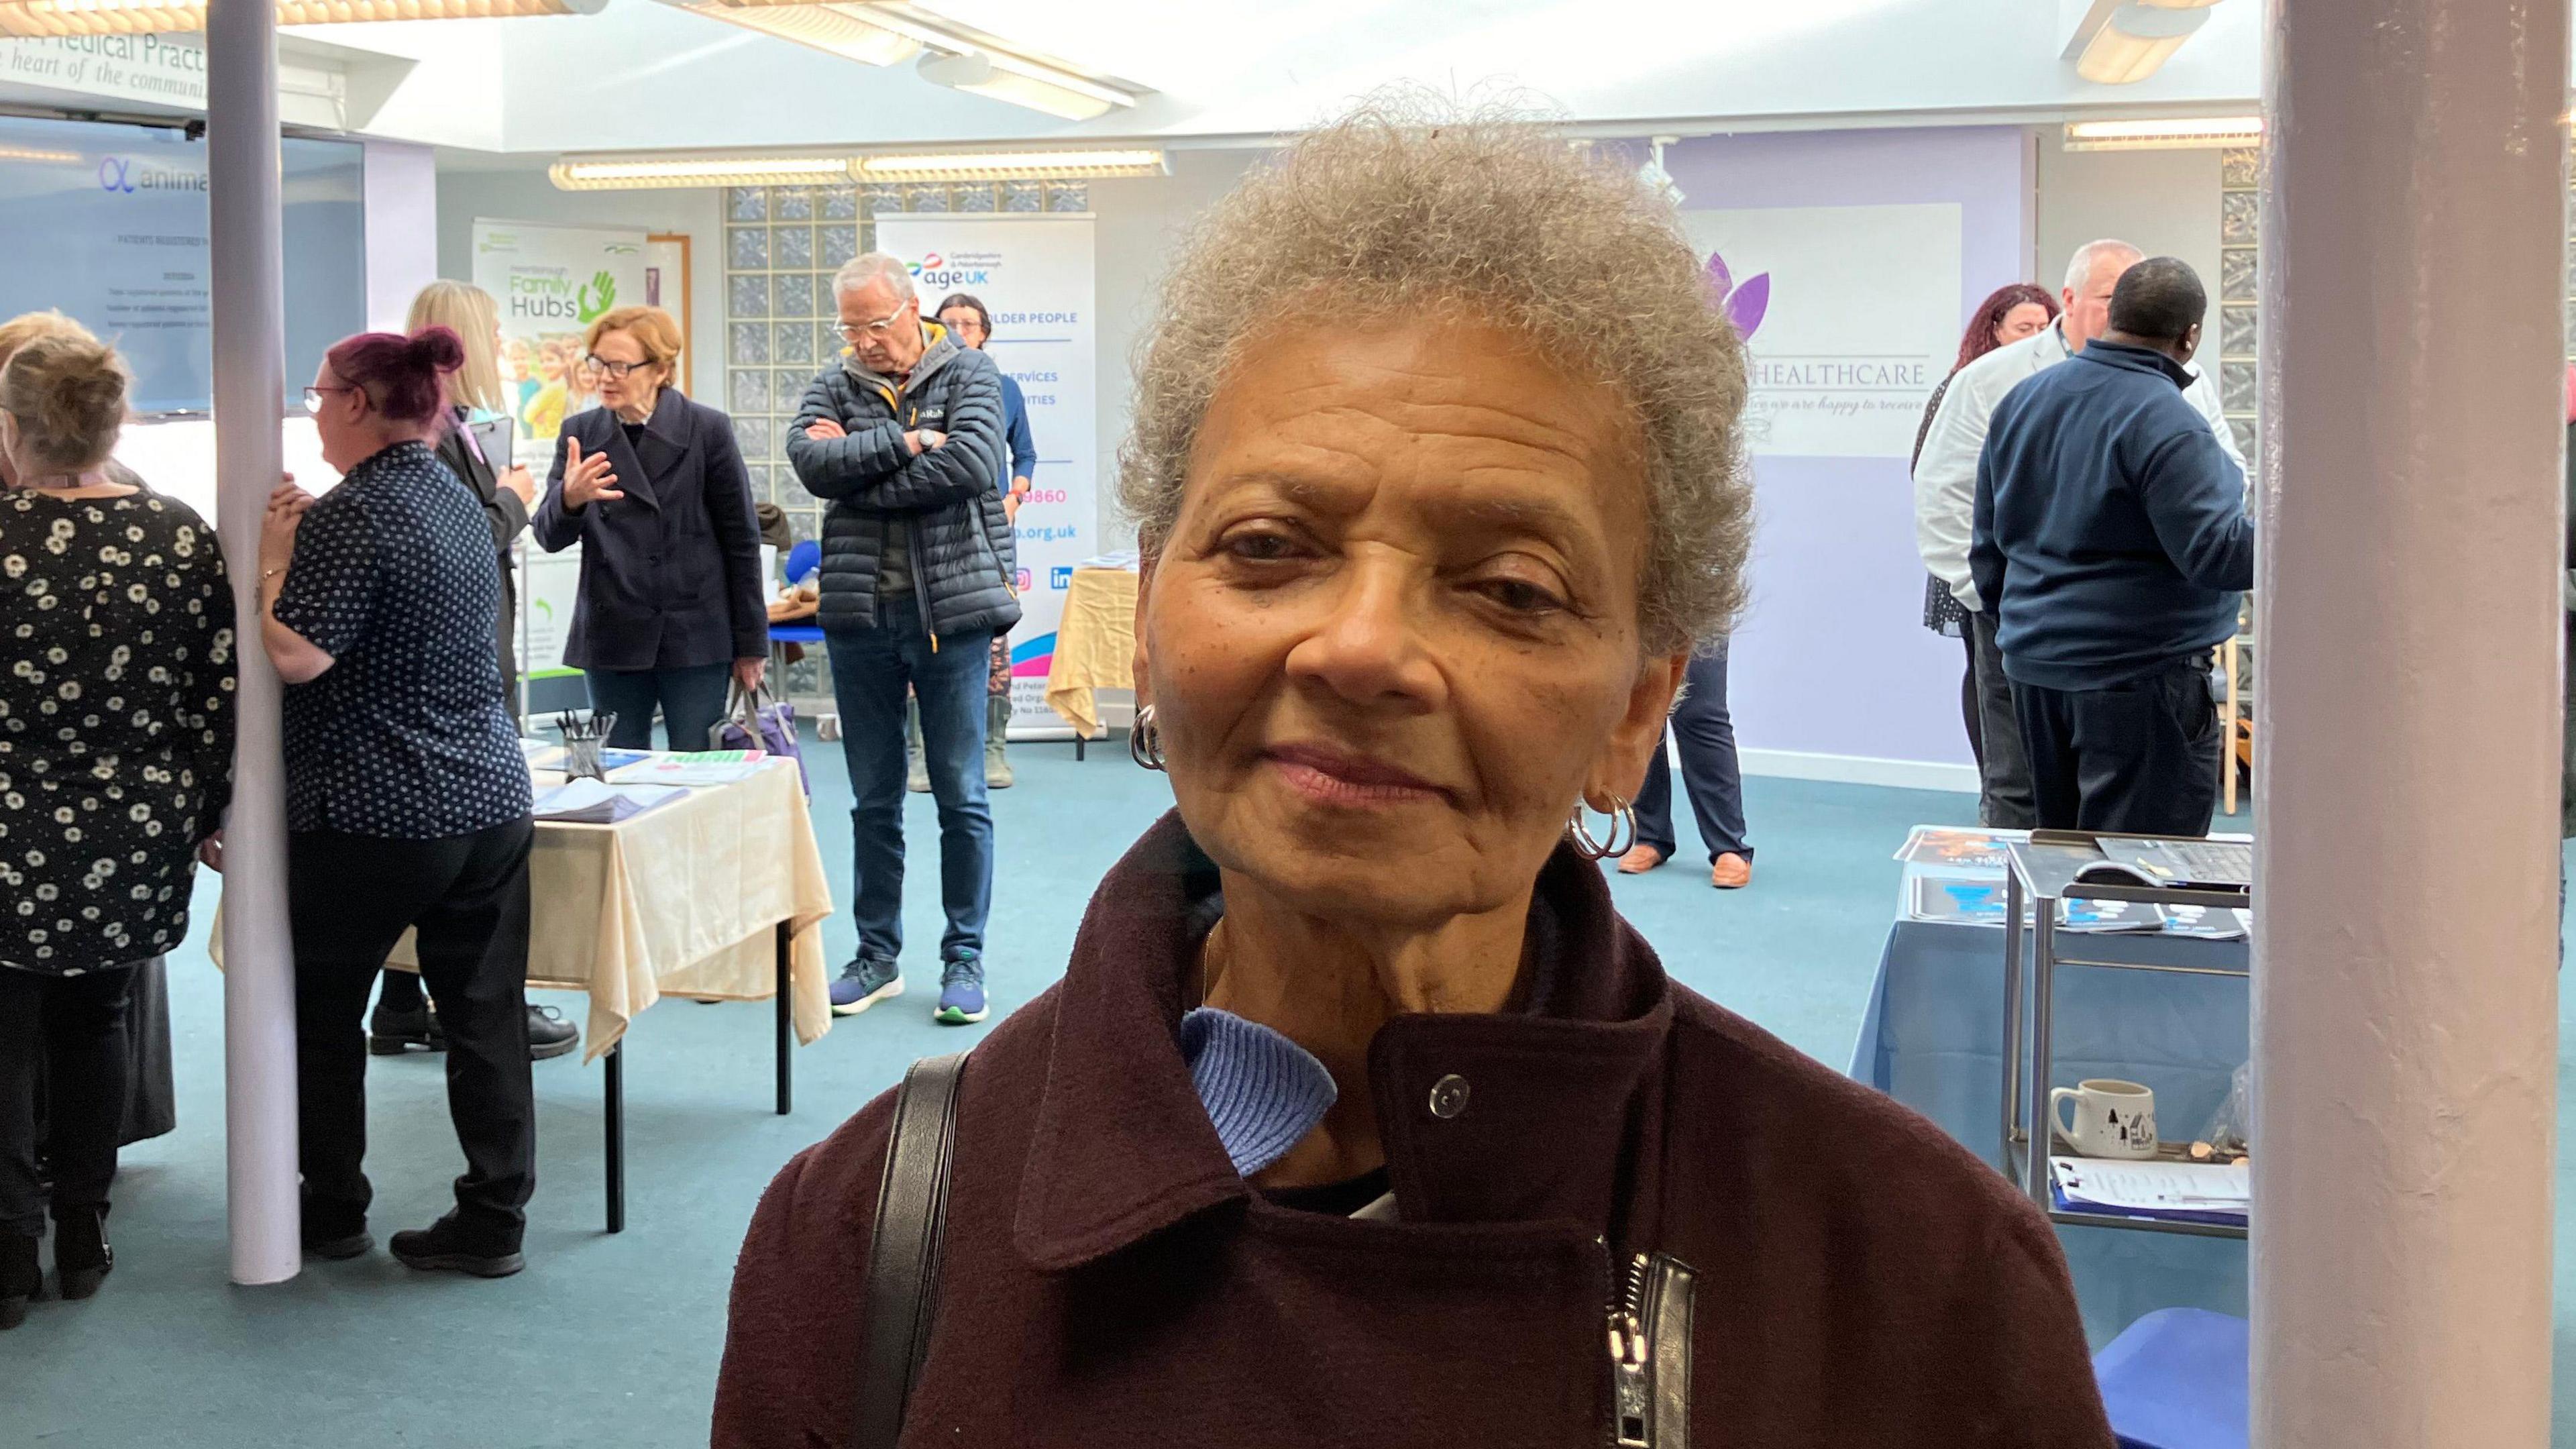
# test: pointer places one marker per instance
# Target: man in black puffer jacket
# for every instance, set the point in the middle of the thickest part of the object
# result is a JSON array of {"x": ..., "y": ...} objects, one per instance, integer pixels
[{"x": 904, "y": 437}]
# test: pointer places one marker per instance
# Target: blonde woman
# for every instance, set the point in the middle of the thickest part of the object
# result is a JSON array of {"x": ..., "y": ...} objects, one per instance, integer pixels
[{"x": 402, "y": 1020}]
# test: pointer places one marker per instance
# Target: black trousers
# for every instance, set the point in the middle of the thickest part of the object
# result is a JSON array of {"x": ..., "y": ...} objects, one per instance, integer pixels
[
  {"x": 72, "y": 1030},
  {"x": 1705, "y": 736},
  {"x": 2140, "y": 758},
  {"x": 350, "y": 897},
  {"x": 2005, "y": 799}
]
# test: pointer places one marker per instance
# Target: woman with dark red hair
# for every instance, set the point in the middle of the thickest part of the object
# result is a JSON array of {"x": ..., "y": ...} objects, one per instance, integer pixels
[
  {"x": 2009, "y": 314},
  {"x": 407, "y": 801}
]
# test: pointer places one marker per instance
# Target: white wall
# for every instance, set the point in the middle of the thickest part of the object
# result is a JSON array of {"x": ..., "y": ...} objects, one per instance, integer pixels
[
  {"x": 1140, "y": 222},
  {"x": 401, "y": 188},
  {"x": 2165, "y": 201},
  {"x": 529, "y": 196}
]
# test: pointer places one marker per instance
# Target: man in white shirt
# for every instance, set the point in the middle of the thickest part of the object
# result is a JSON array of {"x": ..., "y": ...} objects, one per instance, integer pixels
[{"x": 1945, "y": 484}]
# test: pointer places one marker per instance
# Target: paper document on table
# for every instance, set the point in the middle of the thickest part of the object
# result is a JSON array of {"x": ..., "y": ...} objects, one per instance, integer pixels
[
  {"x": 2186, "y": 1191},
  {"x": 591, "y": 802},
  {"x": 700, "y": 767}
]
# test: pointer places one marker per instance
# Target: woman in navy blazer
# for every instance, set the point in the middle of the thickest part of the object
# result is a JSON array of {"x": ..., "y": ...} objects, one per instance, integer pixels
[{"x": 651, "y": 485}]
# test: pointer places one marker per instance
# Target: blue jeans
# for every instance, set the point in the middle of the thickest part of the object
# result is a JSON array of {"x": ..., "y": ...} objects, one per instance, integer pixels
[
  {"x": 1706, "y": 739},
  {"x": 870, "y": 670},
  {"x": 692, "y": 701}
]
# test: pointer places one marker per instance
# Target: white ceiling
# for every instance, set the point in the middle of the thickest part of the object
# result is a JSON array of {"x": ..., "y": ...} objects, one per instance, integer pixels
[{"x": 643, "y": 75}]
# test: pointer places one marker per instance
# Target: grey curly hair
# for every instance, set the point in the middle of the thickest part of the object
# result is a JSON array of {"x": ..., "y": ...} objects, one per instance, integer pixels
[{"x": 1410, "y": 202}]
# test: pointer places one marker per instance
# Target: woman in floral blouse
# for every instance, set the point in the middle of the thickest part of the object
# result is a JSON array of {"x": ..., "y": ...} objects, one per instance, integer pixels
[{"x": 116, "y": 742}]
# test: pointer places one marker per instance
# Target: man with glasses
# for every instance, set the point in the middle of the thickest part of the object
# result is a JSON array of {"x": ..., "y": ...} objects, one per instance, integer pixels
[{"x": 904, "y": 436}]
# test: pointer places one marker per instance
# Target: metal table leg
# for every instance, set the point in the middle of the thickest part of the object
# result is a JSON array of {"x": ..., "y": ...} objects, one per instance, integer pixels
[
  {"x": 1078, "y": 743},
  {"x": 614, "y": 1064},
  {"x": 2012, "y": 1017},
  {"x": 2043, "y": 982},
  {"x": 786, "y": 1026}
]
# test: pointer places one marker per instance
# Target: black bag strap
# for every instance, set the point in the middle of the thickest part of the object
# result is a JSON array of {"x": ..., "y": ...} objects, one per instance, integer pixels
[{"x": 903, "y": 1255}]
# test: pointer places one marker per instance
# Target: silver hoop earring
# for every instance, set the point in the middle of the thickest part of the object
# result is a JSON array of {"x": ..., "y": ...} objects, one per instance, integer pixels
[
  {"x": 1144, "y": 741},
  {"x": 1622, "y": 817}
]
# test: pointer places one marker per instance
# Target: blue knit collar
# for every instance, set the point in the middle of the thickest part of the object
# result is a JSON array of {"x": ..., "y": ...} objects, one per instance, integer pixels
[{"x": 1262, "y": 1092}]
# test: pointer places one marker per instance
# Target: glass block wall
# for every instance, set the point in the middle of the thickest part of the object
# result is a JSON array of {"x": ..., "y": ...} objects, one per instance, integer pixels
[
  {"x": 781, "y": 246},
  {"x": 2240, "y": 179}
]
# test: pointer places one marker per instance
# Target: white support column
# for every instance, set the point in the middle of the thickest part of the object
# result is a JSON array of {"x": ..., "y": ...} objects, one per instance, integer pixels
[
  {"x": 2405, "y": 979},
  {"x": 250, "y": 389}
]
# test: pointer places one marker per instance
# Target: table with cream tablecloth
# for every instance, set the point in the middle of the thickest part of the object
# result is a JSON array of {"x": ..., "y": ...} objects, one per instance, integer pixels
[
  {"x": 718, "y": 895},
  {"x": 1095, "y": 647}
]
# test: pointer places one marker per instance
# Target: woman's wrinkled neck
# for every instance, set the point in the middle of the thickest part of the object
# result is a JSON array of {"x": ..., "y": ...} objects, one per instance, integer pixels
[{"x": 1328, "y": 985}]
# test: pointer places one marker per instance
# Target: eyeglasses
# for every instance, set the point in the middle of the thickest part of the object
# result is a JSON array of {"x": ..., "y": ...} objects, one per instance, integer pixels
[
  {"x": 606, "y": 368},
  {"x": 879, "y": 330},
  {"x": 313, "y": 396}
]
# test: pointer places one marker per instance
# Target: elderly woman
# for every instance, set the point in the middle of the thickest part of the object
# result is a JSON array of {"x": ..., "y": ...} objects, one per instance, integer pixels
[
  {"x": 116, "y": 734},
  {"x": 1359, "y": 1112},
  {"x": 651, "y": 485}
]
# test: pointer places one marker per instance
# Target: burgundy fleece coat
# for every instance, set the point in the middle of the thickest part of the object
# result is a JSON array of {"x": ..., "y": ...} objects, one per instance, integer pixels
[{"x": 1110, "y": 1280}]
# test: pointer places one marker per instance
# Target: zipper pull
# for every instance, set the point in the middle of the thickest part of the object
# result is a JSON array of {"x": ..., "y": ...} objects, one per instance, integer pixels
[
  {"x": 1631, "y": 1379},
  {"x": 1632, "y": 1397}
]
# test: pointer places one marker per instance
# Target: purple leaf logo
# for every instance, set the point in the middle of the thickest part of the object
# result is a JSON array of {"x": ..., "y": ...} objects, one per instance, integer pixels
[{"x": 1745, "y": 305}]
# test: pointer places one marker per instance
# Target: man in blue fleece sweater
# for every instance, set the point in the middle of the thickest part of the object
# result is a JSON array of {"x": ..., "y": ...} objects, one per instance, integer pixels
[{"x": 2110, "y": 530}]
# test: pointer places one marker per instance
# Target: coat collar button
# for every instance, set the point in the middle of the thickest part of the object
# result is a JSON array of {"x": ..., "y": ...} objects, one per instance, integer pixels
[{"x": 1449, "y": 1097}]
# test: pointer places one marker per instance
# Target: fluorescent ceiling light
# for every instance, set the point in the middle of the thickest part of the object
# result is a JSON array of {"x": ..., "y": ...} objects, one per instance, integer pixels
[
  {"x": 656, "y": 173},
  {"x": 2165, "y": 135},
  {"x": 1022, "y": 82},
  {"x": 138, "y": 17},
  {"x": 2120, "y": 42},
  {"x": 1010, "y": 166},
  {"x": 853, "y": 32}
]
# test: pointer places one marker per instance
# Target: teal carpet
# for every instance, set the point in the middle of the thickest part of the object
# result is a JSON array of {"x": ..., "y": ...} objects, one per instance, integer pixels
[{"x": 615, "y": 1340}]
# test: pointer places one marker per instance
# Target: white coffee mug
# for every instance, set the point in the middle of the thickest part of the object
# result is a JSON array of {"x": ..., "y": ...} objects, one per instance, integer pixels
[{"x": 2112, "y": 1118}]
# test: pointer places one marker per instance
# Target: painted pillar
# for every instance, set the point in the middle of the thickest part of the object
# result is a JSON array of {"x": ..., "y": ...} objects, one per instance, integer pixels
[
  {"x": 2405, "y": 978},
  {"x": 249, "y": 393}
]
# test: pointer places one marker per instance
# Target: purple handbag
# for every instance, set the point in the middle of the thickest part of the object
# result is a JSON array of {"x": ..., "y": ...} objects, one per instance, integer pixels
[{"x": 759, "y": 720}]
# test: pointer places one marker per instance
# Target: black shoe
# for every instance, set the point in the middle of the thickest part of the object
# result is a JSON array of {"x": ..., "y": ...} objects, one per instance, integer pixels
[
  {"x": 22, "y": 1277},
  {"x": 549, "y": 1035},
  {"x": 391, "y": 1033},
  {"x": 81, "y": 1254},
  {"x": 341, "y": 1248},
  {"x": 449, "y": 1245}
]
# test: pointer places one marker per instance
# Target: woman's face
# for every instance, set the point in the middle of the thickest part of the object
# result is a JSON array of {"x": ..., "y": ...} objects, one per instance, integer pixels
[
  {"x": 636, "y": 389},
  {"x": 965, "y": 325},
  {"x": 2024, "y": 320},
  {"x": 341, "y": 417},
  {"x": 1393, "y": 635}
]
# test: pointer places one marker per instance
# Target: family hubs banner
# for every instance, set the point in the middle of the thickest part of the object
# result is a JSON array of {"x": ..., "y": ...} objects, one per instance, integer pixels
[
  {"x": 1033, "y": 272},
  {"x": 552, "y": 282}
]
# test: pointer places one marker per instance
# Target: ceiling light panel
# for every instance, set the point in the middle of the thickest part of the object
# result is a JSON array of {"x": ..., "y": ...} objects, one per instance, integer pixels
[
  {"x": 849, "y": 31},
  {"x": 137, "y": 17},
  {"x": 2182, "y": 133},
  {"x": 662, "y": 173},
  {"x": 1011, "y": 166}
]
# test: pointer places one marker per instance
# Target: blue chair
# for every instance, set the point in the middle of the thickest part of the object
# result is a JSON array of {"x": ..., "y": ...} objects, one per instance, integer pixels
[
  {"x": 802, "y": 559},
  {"x": 2176, "y": 1379}
]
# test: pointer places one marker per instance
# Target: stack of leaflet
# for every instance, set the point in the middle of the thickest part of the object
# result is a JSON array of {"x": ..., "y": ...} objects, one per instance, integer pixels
[
  {"x": 2174, "y": 1192},
  {"x": 2109, "y": 917},
  {"x": 594, "y": 802},
  {"x": 698, "y": 767}
]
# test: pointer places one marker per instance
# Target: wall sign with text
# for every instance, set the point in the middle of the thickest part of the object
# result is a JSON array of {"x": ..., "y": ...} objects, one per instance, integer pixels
[{"x": 1850, "y": 316}]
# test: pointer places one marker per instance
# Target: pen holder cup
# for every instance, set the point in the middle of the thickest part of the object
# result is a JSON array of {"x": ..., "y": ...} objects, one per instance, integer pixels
[{"x": 581, "y": 760}]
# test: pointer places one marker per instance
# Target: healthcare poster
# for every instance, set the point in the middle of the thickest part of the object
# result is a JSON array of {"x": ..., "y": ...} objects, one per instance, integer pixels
[
  {"x": 1850, "y": 315},
  {"x": 1033, "y": 273},
  {"x": 552, "y": 282}
]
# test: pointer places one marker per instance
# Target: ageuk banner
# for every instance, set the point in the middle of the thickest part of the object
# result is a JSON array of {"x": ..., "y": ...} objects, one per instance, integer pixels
[
  {"x": 1033, "y": 273},
  {"x": 552, "y": 282}
]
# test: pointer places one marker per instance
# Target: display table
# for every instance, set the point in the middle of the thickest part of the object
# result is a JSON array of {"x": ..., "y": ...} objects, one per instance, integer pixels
[
  {"x": 1095, "y": 647},
  {"x": 1933, "y": 1038},
  {"x": 719, "y": 895}
]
